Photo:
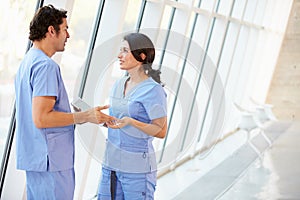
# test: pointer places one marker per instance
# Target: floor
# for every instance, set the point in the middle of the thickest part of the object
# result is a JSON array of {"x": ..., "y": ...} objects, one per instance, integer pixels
[{"x": 274, "y": 174}]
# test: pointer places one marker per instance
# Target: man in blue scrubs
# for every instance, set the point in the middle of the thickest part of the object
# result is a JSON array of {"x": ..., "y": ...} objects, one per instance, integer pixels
[{"x": 45, "y": 124}]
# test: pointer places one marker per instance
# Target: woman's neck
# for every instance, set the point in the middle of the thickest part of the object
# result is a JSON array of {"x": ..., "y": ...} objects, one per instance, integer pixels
[{"x": 137, "y": 75}]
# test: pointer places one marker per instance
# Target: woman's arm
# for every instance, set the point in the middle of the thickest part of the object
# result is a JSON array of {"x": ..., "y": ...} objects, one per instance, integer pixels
[{"x": 157, "y": 127}]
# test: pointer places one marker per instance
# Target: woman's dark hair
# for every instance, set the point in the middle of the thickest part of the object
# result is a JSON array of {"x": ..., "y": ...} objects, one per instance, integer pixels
[
  {"x": 45, "y": 17},
  {"x": 140, "y": 43}
]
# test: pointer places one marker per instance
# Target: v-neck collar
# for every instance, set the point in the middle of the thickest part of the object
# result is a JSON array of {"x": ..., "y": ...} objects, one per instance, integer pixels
[{"x": 133, "y": 88}]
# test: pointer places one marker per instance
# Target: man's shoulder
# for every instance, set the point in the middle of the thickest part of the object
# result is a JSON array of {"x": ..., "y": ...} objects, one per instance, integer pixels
[
  {"x": 38, "y": 55},
  {"x": 39, "y": 60}
]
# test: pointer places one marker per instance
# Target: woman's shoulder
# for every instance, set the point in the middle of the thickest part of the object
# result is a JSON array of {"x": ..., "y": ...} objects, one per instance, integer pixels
[
  {"x": 151, "y": 86},
  {"x": 151, "y": 83}
]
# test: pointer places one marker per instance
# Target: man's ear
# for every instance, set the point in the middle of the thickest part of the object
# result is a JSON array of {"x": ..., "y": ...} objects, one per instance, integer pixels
[
  {"x": 51, "y": 30},
  {"x": 143, "y": 56}
]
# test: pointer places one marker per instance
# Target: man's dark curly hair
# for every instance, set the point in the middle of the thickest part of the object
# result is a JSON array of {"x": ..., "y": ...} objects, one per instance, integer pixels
[{"x": 45, "y": 17}]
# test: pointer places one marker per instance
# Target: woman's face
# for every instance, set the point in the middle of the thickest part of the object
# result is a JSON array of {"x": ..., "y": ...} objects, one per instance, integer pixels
[{"x": 127, "y": 61}]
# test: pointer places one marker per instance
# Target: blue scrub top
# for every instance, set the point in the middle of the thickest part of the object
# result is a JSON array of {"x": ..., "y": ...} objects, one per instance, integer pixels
[
  {"x": 128, "y": 149},
  {"x": 46, "y": 149}
]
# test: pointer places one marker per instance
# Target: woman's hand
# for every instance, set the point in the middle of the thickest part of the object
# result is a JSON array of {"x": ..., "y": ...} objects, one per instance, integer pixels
[
  {"x": 157, "y": 127},
  {"x": 119, "y": 123}
]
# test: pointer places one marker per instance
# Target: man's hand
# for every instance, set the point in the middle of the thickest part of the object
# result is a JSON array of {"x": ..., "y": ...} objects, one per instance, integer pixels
[{"x": 93, "y": 115}]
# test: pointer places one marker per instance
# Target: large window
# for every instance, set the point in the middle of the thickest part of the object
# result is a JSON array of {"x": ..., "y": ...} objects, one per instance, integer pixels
[{"x": 14, "y": 22}]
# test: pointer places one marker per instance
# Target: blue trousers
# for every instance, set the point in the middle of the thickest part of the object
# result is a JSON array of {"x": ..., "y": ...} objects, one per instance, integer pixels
[
  {"x": 129, "y": 186},
  {"x": 50, "y": 185}
]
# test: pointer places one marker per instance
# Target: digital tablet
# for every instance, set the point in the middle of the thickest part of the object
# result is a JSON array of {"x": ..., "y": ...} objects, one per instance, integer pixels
[{"x": 80, "y": 105}]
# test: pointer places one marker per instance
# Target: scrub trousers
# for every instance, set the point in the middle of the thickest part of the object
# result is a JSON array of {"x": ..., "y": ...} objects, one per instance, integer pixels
[
  {"x": 128, "y": 186},
  {"x": 47, "y": 185}
]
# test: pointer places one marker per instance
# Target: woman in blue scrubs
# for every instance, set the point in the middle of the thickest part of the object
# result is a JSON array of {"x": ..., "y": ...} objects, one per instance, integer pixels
[{"x": 138, "y": 101}]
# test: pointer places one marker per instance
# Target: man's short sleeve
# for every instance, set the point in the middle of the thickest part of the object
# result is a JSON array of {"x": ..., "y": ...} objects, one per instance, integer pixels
[{"x": 44, "y": 79}]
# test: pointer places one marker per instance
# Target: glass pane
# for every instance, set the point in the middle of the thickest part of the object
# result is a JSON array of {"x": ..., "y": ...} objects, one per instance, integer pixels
[
  {"x": 208, "y": 4},
  {"x": 260, "y": 12},
  {"x": 14, "y": 22},
  {"x": 166, "y": 17},
  {"x": 13, "y": 44},
  {"x": 216, "y": 40},
  {"x": 201, "y": 30},
  {"x": 238, "y": 9},
  {"x": 228, "y": 50},
  {"x": 132, "y": 13},
  {"x": 250, "y": 10},
  {"x": 224, "y": 7},
  {"x": 197, "y": 3},
  {"x": 81, "y": 21}
]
